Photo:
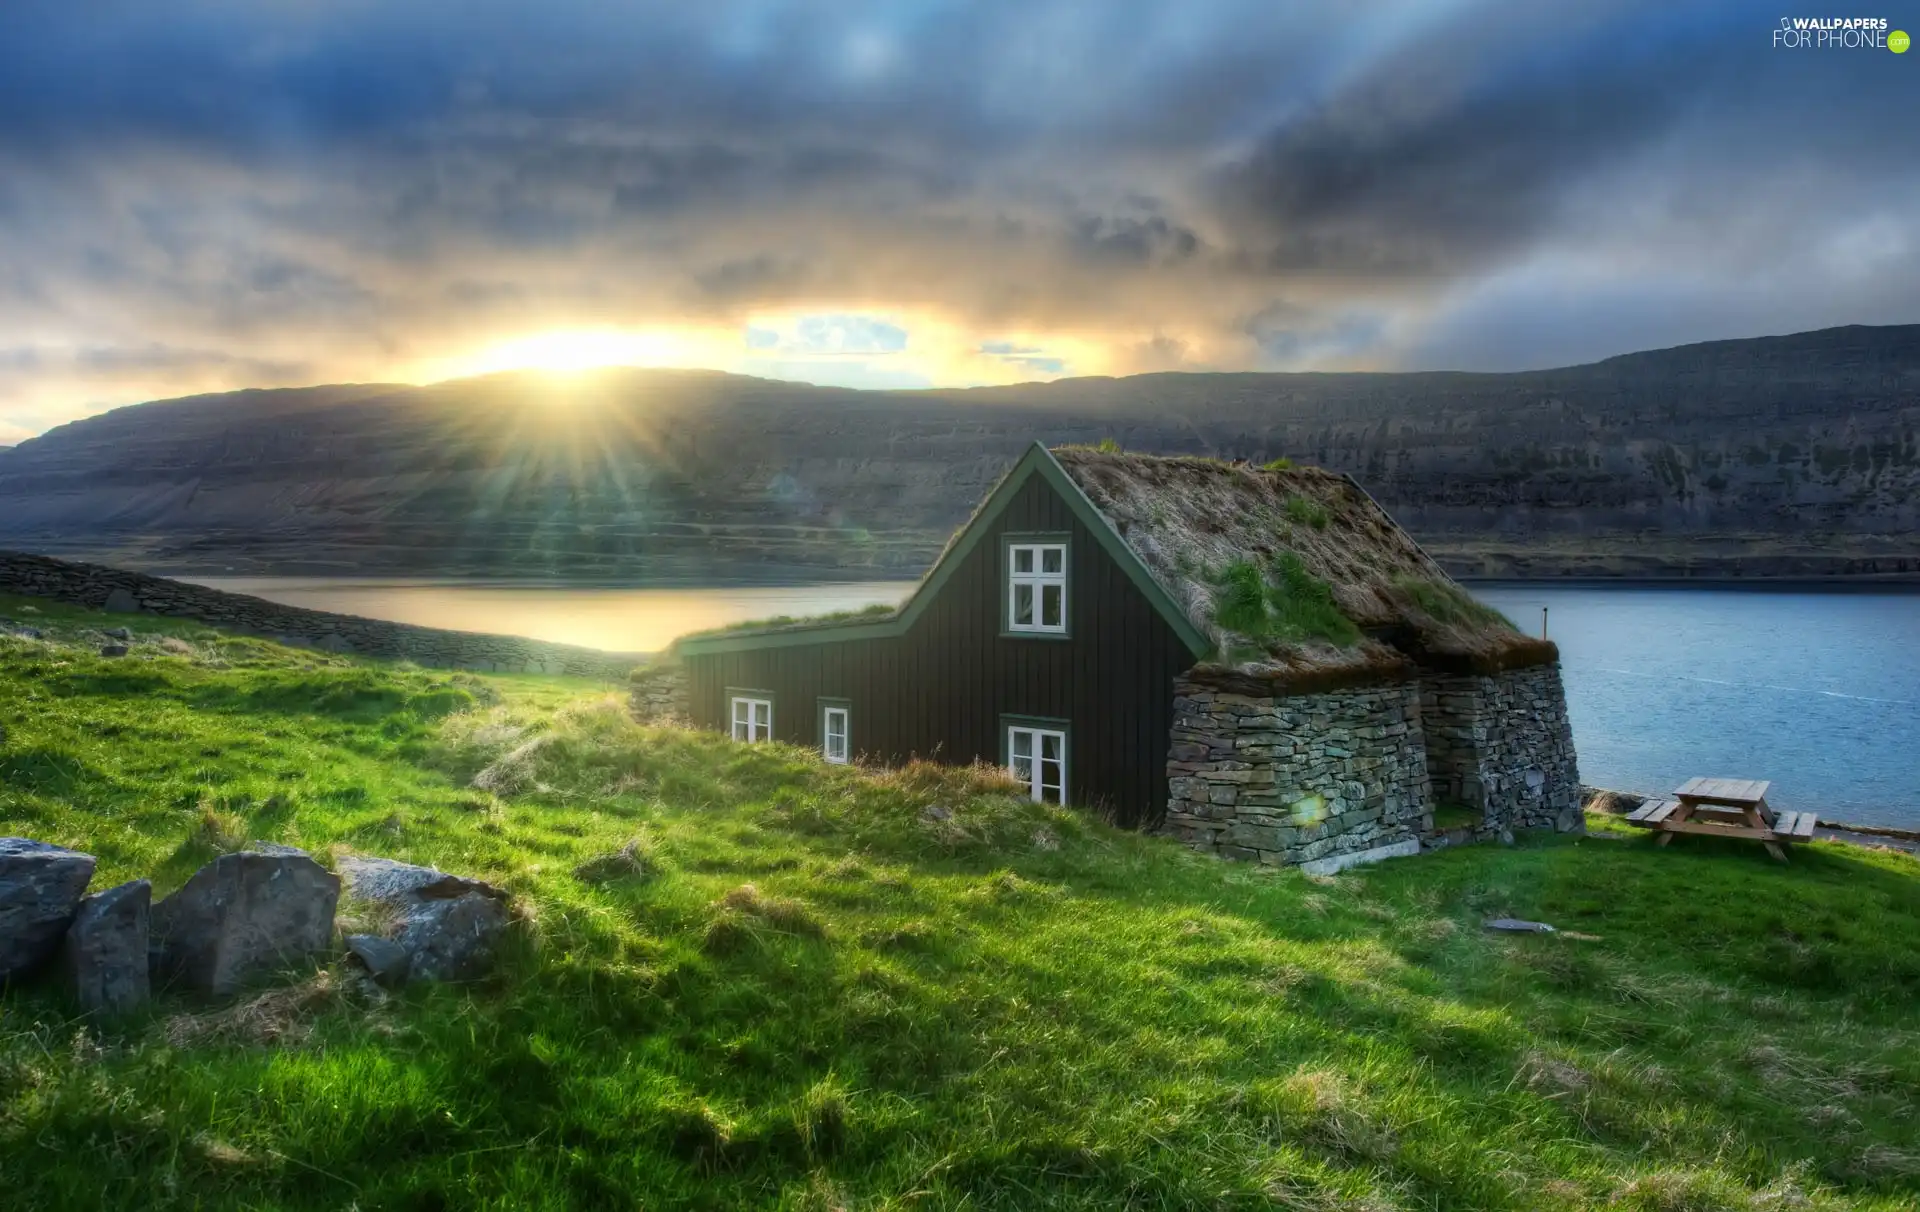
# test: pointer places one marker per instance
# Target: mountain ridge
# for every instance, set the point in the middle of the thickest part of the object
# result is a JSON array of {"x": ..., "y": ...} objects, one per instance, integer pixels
[{"x": 1796, "y": 455}]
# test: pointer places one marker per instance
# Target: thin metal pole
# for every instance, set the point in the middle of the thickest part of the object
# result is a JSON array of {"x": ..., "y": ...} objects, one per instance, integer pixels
[{"x": 1543, "y": 622}]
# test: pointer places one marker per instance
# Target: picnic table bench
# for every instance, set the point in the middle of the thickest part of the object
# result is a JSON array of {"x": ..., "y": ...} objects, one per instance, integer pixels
[{"x": 1725, "y": 808}]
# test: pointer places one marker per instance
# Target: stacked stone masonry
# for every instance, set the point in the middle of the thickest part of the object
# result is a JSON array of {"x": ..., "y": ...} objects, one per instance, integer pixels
[
  {"x": 130, "y": 592},
  {"x": 660, "y": 695},
  {"x": 1293, "y": 779},
  {"x": 1502, "y": 746},
  {"x": 1309, "y": 778}
]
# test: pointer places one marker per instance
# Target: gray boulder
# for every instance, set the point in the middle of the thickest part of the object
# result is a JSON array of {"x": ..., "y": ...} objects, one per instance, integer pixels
[
  {"x": 243, "y": 915},
  {"x": 118, "y": 633},
  {"x": 385, "y": 960},
  {"x": 121, "y": 601},
  {"x": 40, "y": 887},
  {"x": 113, "y": 650},
  {"x": 105, "y": 953},
  {"x": 449, "y": 925}
]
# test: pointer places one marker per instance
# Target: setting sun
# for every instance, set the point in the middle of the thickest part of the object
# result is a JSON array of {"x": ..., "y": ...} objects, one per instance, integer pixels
[{"x": 572, "y": 350}]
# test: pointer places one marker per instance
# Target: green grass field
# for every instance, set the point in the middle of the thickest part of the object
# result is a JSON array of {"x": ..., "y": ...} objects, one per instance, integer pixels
[{"x": 747, "y": 979}]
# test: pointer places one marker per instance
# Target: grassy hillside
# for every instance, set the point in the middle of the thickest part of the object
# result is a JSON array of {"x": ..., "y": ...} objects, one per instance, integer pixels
[{"x": 745, "y": 978}]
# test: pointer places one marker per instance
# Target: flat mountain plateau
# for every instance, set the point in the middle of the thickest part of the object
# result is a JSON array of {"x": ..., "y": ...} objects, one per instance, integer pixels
[{"x": 1776, "y": 457}]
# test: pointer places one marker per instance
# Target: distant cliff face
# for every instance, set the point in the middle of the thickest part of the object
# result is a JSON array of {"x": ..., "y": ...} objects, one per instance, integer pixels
[{"x": 1778, "y": 456}]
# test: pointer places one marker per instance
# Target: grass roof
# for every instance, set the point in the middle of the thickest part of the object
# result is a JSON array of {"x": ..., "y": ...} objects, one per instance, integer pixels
[{"x": 1294, "y": 572}]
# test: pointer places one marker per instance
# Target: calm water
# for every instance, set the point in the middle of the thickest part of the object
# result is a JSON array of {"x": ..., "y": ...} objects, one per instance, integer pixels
[
  {"x": 618, "y": 620},
  {"x": 1819, "y": 692}
]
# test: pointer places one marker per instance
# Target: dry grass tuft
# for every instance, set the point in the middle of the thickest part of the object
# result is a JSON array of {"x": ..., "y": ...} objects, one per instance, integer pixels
[
  {"x": 1885, "y": 1163},
  {"x": 1327, "y": 1109},
  {"x": 634, "y": 860},
  {"x": 218, "y": 1153},
  {"x": 746, "y": 915},
  {"x": 1552, "y": 1077},
  {"x": 222, "y": 832},
  {"x": 514, "y": 771},
  {"x": 933, "y": 782},
  {"x": 1006, "y": 888},
  {"x": 278, "y": 1016}
]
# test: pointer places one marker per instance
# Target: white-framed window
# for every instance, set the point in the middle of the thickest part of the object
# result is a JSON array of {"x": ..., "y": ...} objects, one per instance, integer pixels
[
  {"x": 1037, "y": 587},
  {"x": 752, "y": 718},
  {"x": 836, "y": 732},
  {"x": 1038, "y": 758}
]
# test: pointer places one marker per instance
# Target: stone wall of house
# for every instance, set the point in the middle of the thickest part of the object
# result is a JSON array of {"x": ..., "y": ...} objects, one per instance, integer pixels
[
  {"x": 1501, "y": 745},
  {"x": 112, "y": 589},
  {"x": 1297, "y": 779},
  {"x": 660, "y": 694}
]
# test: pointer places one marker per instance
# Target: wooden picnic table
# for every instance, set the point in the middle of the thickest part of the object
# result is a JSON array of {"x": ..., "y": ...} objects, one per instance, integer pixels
[{"x": 1725, "y": 808}]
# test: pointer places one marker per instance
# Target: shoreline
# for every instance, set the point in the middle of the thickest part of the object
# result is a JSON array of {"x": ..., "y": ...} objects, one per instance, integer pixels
[
  {"x": 1886, "y": 836},
  {"x": 1864, "y": 583}
]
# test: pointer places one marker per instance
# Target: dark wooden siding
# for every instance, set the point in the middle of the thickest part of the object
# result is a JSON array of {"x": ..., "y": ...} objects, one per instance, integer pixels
[{"x": 940, "y": 689}]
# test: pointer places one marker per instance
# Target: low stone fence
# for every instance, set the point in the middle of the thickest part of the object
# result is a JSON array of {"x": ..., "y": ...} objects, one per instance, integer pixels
[
  {"x": 116, "y": 590},
  {"x": 660, "y": 694}
]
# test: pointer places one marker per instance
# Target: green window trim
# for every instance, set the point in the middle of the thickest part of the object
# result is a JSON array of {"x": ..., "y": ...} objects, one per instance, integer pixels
[
  {"x": 823, "y": 705},
  {"x": 1025, "y": 538},
  {"x": 737, "y": 693},
  {"x": 1009, "y": 722}
]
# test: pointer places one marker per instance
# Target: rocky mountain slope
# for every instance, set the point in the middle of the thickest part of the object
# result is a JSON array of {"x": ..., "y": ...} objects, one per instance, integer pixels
[{"x": 1779, "y": 456}]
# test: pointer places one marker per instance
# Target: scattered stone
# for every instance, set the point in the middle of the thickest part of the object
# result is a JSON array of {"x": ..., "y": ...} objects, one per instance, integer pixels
[
  {"x": 120, "y": 601},
  {"x": 105, "y": 952},
  {"x": 936, "y": 812},
  {"x": 40, "y": 887},
  {"x": 385, "y": 960},
  {"x": 1614, "y": 803},
  {"x": 1334, "y": 863},
  {"x": 448, "y": 925},
  {"x": 1514, "y": 925},
  {"x": 113, "y": 650},
  {"x": 244, "y": 914},
  {"x": 117, "y": 633}
]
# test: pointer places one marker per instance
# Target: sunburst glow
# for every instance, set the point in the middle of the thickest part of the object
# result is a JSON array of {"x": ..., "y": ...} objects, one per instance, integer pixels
[{"x": 568, "y": 351}]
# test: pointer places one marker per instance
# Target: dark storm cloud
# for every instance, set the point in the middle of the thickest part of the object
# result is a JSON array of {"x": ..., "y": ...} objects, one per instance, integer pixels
[
  {"x": 1415, "y": 171},
  {"x": 1213, "y": 184}
]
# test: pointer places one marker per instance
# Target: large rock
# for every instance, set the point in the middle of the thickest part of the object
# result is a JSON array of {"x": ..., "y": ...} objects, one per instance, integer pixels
[
  {"x": 243, "y": 915},
  {"x": 105, "y": 953},
  {"x": 449, "y": 925},
  {"x": 385, "y": 960},
  {"x": 40, "y": 887}
]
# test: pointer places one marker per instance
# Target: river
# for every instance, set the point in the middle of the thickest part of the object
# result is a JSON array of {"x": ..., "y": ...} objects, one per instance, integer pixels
[{"x": 1817, "y": 691}]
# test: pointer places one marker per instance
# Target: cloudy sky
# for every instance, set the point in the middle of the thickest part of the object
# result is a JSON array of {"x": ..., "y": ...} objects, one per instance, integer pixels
[{"x": 205, "y": 194}]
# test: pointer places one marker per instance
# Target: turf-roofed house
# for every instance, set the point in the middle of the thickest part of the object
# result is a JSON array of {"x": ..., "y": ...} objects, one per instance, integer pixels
[{"x": 1254, "y": 659}]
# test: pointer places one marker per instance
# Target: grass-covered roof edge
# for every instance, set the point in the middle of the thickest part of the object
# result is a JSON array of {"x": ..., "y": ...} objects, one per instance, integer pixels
[{"x": 1037, "y": 461}]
